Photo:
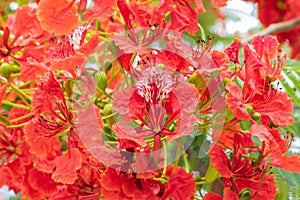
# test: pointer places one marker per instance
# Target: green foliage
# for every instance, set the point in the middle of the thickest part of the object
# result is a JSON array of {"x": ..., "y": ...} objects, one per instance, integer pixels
[
  {"x": 288, "y": 184},
  {"x": 291, "y": 85}
]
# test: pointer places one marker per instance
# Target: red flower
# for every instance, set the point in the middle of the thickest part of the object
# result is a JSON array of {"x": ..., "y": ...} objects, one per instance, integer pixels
[
  {"x": 118, "y": 185},
  {"x": 180, "y": 185},
  {"x": 156, "y": 96},
  {"x": 69, "y": 52},
  {"x": 52, "y": 115},
  {"x": 257, "y": 94},
  {"x": 27, "y": 32},
  {"x": 240, "y": 173},
  {"x": 8, "y": 48},
  {"x": 274, "y": 147},
  {"x": 212, "y": 196}
]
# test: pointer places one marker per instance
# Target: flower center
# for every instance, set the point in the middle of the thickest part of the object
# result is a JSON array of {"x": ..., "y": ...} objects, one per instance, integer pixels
[
  {"x": 154, "y": 85},
  {"x": 77, "y": 37}
]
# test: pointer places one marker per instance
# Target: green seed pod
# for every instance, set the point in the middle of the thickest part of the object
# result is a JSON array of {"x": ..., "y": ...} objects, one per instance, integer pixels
[
  {"x": 101, "y": 80},
  {"x": 245, "y": 194},
  {"x": 107, "y": 111},
  {"x": 256, "y": 116},
  {"x": 5, "y": 70},
  {"x": 68, "y": 85},
  {"x": 249, "y": 109}
]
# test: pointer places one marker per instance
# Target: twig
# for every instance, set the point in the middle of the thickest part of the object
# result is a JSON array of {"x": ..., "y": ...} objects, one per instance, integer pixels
[{"x": 276, "y": 28}]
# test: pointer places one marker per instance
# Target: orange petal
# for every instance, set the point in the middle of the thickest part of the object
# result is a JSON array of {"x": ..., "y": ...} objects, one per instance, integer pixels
[
  {"x": 59, "y": 16},
  {"x": 66, "y": 167}
]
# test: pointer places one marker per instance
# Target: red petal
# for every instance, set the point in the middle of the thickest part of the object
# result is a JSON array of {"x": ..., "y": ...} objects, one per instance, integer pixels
[
  {"x": 160, "y": 10},
  {"x": 127, "y": 13},
  {"x": 212, "y": 196},
  {"x": 100, "y": 9},
  {"x": 179, "y": 21},
  {"x": 48, "y": 92},
  {"x": 124, "y": 131},
  {"x": 59, "y": 16},
  {"x": 30, "y": 31},
  {"x": 267, "y": 189},
  {"x": 187, "y": 97},
  {"x": 69, "y": 64},
  {"x": 234, "y": 101},
  {"x": 281, "y": 101},
  {"x": 125, "y": 60},
  {"x": 88, "y": 47},
  {"x": 180, "y": 185},
  {"x": 218, "y": 3},
  {"x": 199, "y": 6},
  {"x": 89, "y": 131},
  {"x": 271, "y": 137},
  {"x": 233, "y": 51},
  {"x": 253, "y": 66},
  {"x": 3, "y": 86},
  {"x": 39, "y": 145},
  {"x": 267, "y": 47},
  {"x": 229, "y": 194},
  {"x": 289, "y": 163},
  {"x": 66, "y": 167},
  {"x": 122, "y": 101},
  {"x": 42, "y": 182},
  {"x": 32, "y": 67},
  {"x": 220, "y": 161}
]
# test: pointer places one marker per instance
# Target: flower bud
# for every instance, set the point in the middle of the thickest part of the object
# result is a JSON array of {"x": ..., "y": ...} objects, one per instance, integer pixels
[
  {"x": 249, "y": 109},
  {"x": 256, "y": 116},
  {"x": 101, "y": 80},
  {"x": 6, "y": 69},
  {"x": 245, "y": 194},
  {"x": 107, "y": 65}
]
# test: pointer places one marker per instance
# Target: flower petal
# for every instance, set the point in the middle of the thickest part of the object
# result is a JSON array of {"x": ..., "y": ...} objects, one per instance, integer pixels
[
  {"x": 220, "y": 161},
  {"x": 66, "y": 167},
  {"x": 59, "y": 16}
]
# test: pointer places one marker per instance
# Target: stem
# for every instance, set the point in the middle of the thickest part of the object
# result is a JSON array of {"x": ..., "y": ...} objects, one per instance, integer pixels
[
  {"x": 103, "y": 38},
  {"x": 200, "y": 183},
  {"x": 277, "y": 27},
  {"x": 103, "y": 91},
  {"x": 164, "y": 143},
  {"x": 111, "y": 115},
  {"x": 17, "y": 125},
  {"x": 5, "y": 102},
  {"x": 22, "y": 117},
  {"x": 21, "y": 94},
  {"x": 114, "y": 76},
  {"x": 186, "y": 162}
]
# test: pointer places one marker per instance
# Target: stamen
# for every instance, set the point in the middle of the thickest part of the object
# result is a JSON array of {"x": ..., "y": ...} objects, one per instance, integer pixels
[{"x": 154, "y": 85}]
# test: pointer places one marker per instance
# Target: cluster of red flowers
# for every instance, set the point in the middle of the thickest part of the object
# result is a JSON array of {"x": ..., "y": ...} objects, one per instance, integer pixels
[
  {"x": 107, "y": 101},
  {"x": 274, "y": 11}
]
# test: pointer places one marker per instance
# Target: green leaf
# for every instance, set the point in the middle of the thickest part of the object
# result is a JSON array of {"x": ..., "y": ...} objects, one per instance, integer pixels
[
  {"x": 293, "y": 65},
  {"x": 293, "y": 179},
  {"x": 285, "y": 182},
  {"x": 286, "y": 83},
  {"x": 211, "y": 174}
]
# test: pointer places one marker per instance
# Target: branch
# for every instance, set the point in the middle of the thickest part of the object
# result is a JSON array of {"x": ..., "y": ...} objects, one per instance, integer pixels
[{"x": 276, "y": 28}]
